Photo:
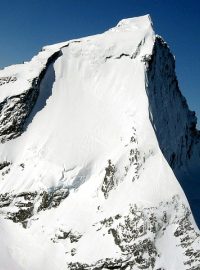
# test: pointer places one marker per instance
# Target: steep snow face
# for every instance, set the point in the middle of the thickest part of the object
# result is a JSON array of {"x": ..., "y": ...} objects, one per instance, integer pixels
[
  {"x": 81, "y": 166},
  {"x": 91, "y": 113}
]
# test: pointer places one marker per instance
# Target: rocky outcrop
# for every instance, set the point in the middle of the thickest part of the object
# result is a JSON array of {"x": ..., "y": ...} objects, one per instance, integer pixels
[
  {"x": 8, "y": 79},
  {"x": 63, "y": 235},
  {"x": 137, "y": 233},
  {"x": 109, "y": 179},
  {"x": 53, "y": 197},
  {"x": 15, "y": 110},
  {"x": 22, "y": 206}
]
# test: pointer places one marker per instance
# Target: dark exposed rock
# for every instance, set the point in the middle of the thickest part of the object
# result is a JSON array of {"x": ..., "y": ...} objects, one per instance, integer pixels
[
  {"x": 53, "y": 198},
  {"x": 15, "y": 110},
  {"x": 26, "y": 195},
  {"x": 63, "y": 235},
  {"x": 26, "y": 202},
  {"x": 173, "y": 122},
  {"x": 5, "y": 200},
  {"x": 135, "y": 235},
  {"x": 4, "y": 164},
  {"x": 21, "y": 215},
  {"x": 131, "y": 56},
  {"x": 167, "y": 105},
  {"x": 109, "y": 181},
  {"x": 102, "y": 264},
  {"x": 8, "y": 79},
  {"x": 134, "y": 158},
  {"x": 187, "y": 236}
]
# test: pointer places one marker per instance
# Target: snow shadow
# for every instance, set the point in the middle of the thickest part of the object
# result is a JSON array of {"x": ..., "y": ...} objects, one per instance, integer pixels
[{"x": 45, "y": 91}]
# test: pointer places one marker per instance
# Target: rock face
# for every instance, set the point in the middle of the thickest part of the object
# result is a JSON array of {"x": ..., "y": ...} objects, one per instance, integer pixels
[
  {"x": 173, "y": 122},
  {"x": 26, "y": 204},
  {"x": 15, "y": 110},
  {"x": 94, "y": 135},
  {"x": 177, "y": 135}
]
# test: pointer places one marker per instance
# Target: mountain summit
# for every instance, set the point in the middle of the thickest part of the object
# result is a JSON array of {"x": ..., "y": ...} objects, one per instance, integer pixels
[{"x": 95, "y": 138}]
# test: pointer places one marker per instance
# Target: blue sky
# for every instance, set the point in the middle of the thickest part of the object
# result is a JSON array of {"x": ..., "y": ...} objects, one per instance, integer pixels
[{"x": 28, "y": 25}]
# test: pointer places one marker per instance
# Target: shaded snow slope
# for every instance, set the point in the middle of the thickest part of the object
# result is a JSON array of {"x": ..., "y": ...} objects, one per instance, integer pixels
[{"x": 83, "y": 177}]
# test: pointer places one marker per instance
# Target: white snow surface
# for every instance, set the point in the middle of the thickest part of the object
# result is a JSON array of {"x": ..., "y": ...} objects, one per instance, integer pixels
[{"x": 97, "y": 101}]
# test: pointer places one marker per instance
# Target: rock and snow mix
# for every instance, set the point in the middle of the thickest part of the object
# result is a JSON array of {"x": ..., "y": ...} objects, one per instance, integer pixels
[{"x": 89, "y": 129}]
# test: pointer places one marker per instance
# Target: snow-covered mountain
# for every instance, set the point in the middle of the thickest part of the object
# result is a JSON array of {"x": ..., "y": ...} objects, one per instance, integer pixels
[{"x": 94, "y": 135}]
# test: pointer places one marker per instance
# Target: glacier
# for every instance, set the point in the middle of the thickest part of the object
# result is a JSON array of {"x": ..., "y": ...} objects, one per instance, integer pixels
[{"x": 96, "y": 141}]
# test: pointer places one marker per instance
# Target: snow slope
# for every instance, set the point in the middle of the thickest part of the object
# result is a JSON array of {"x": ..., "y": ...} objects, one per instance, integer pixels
[{"x": 84, "y": 183}]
